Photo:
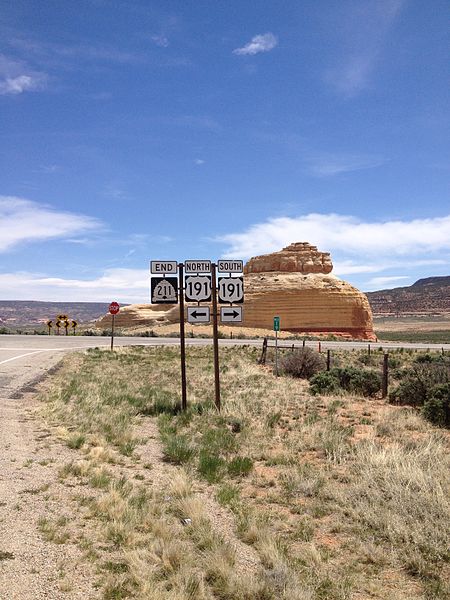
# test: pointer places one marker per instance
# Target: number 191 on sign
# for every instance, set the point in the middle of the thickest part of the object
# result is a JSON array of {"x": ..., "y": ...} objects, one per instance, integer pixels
[{"x": 231, "y": 290}]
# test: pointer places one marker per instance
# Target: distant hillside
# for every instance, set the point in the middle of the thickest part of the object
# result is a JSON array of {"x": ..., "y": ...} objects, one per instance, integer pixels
[
  {"x": 425, "y": 297},
  {"x": 24, "y": 313}
]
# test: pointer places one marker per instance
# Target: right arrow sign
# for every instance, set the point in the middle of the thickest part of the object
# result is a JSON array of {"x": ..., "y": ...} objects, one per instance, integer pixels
[{"x": 231, "y": 315}]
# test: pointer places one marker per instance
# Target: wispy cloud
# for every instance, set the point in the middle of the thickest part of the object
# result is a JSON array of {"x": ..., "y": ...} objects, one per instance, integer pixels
[
  {"x": 160, "y": 40},
  {"x": 326, "y": 165},
  {"x": 358, "y": 246},
  {"x": 390, "y": 281},
  {"x": 16, "y": 77},
  {"x": 24, "y": 221},
  {"x": 199, "y": 161},
  {"x": 259, "y": 43},
  {"x": 124, "y": 285},
  {"x": 41, "y": 51},
  {"x": 364, "y": 33}
]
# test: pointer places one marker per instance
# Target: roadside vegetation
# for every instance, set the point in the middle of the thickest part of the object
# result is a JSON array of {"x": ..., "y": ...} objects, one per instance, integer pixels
[{"x": 301, "y": 489}]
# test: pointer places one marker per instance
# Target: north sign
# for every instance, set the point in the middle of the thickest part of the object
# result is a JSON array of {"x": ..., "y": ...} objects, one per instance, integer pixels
[
  {"x": 163, "y": 267},
  {"x": 230, "y": 266},
  {"x": 197, "y": 266},
  {"x": 231, "y": 315},
  {"x": 197, "y": 288},
  {"x": 164, "y": 290},
  {"x": 231, "y": 290},
  {"x": 198, "y": 314}
]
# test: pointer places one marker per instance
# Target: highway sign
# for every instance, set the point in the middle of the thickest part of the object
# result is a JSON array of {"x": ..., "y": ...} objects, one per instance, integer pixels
[
  {"x": 198, "y": 288},
  {"x": 164, "y": 290},
  {"x": 198, "y": 314},
  {"x": 276, "y": 323},
  {"x": 233, "y": 314},
  {"x": 231, "y": 289},
  {"x": 163, "y": 267},
  {"x": 114, "y": 308},
  {"x": 230, "y": 266},
  {"x": 197, "y": 266}
]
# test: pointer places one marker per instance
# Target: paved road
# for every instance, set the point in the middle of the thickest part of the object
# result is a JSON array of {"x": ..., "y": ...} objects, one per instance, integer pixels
[{"x": 25, "y": 358}]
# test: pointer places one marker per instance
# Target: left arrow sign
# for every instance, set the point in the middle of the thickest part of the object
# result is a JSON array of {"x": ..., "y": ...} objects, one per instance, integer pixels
[{"x": 198, "y": 315}]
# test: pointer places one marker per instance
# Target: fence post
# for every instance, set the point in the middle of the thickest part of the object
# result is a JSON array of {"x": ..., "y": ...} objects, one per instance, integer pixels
[
  {"x": 304, "y": 342},
  {"x": 320, "y": 347},
  {"x": 385, "y": 380},
  {"x": 328, "y": 360},
  {"x": 262, "y": 360},
  {"x": 368, "y": 349}
]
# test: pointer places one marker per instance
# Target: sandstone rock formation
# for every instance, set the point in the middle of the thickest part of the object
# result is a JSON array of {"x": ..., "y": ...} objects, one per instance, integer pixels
[
  {"x": 299, "y": 257},
  {"x": 294, "y": 284}
]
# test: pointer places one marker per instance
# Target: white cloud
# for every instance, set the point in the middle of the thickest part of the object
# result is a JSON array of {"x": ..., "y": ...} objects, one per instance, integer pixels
[
  {"x": 23, "y": 221},
  {"x": 364, "y": 33},
  {"x": 259, "y": 43},
  {"x": 160, "y": 40},
  {"x": 199, "y": 161},
  {"x": 16, "y": 77},
  {"x": 389, "y": 281},
  {"x": 345, "y": 233},
  {"x": 357, "y": 246},
  {"x": 123, "y": 285},
  {"x": 327, "y": 165}
]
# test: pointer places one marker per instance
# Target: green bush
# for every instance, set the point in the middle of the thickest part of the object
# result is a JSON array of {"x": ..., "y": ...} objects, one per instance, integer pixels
[
  {"x": 358, "y": 381},
  {"x": 240, "y": 466},
  {"x": 436, "y": 407},
  {"x": 302, "y": 363},
  {"x": 418, "y": 381},
  {"x": 177, "y": 449},
  {"x": 324, "y": 383},
  {"x": 211, "y": 466}
]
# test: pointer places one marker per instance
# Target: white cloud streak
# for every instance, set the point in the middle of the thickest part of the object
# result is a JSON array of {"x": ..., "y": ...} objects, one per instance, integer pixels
[
  {"x": 16, "y": 77},
  {"x": 328, "y": 165},
  {"x": 123, "y": 285},
  {"x": 365, "y": 30},
  {"x": 24, "y": 221},
  {"x": 260, "y": 43},
  {"x": 359, "y": 246}
]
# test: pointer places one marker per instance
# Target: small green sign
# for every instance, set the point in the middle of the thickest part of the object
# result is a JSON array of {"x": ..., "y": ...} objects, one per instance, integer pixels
[{"x": 276, "y": 323}]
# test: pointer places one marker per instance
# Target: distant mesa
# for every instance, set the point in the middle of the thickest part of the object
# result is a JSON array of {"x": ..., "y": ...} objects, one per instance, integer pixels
[{"x": 295, "y": 284}]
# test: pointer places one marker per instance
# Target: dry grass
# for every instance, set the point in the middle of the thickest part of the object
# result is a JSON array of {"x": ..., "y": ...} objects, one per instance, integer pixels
[{"x": 346, "y": 498}]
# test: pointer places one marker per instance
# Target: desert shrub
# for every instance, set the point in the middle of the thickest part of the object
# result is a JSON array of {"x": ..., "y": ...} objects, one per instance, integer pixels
[
  {"x": 429, "y": 358},
  {"x": 240, "y": 466},
  {"x": 324, "y": 383},
  {"x": 418, "y": 382},
  {"x": 368, "y": 359},
  {"x": 358, "y": 381},
  {"x": 177, "y": 449},
  {"x": 211, "y": 466},
  {"x": 303, "y": 363},
  {"x": 436, "y": 407}
]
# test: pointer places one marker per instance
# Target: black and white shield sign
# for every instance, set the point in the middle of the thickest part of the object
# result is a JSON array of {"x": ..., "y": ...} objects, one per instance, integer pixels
[
  {"x": 231, "y": 290},
  {"x": 198, "y": 288},
  {"x": 164, "y": 290}
]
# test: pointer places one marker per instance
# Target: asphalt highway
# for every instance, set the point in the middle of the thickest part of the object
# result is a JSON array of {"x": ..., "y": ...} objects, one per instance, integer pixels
[{"x": 24, "y": 358}]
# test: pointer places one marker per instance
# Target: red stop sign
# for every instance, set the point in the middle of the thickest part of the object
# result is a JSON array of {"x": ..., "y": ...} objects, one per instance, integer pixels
[{"x": 114, "y": 308}]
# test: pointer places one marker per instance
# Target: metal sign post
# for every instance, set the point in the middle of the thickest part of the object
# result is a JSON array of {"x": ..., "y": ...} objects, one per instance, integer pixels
[
  {"x": 182, "y": 340},
  {"x": 114, "y": 308},
  {"x": 276, "y": 326},
  {"x": 215, "y": 337}
]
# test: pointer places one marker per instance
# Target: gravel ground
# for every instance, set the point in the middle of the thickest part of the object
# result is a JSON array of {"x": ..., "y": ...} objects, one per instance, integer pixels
[{"x": 32, "y": 568}]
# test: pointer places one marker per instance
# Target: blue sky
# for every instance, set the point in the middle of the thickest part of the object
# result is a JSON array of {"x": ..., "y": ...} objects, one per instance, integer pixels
[{"x": 137, "y": 130}]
